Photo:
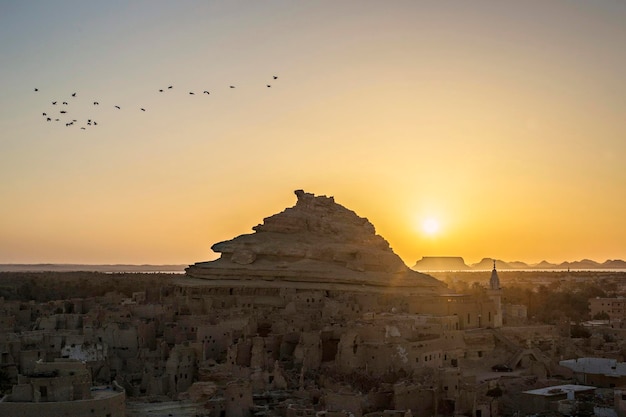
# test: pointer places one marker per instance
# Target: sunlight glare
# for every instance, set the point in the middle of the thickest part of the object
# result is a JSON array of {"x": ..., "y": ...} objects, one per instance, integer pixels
[{"x": 430, "y": 226}]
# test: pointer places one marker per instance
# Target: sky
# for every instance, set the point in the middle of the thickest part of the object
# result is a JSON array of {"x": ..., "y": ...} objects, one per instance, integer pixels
[{"x": 458, "y": 128}]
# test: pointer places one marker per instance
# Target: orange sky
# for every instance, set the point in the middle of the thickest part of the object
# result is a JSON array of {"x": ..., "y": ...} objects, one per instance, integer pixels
[{"x": 503, "y": 122}]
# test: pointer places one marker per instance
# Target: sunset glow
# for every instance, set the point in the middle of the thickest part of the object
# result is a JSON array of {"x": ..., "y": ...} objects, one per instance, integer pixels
[{"x": 500, "y": 124}]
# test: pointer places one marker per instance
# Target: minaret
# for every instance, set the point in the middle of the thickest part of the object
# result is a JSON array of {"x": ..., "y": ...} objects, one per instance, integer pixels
[
  {"x": 494, "y": 282},
  {"x": 495, "y": 294}
]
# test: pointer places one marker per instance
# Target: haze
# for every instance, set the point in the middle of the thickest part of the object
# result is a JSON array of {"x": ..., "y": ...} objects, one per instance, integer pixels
[{"x": 502, "y": 123}]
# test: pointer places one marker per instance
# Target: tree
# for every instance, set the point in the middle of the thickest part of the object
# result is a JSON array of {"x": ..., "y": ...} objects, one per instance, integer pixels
[{"x": 603, "y": 315}]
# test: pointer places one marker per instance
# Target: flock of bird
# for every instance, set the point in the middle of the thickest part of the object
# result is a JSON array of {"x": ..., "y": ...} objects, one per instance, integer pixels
[{"x": 63, "y": 115}]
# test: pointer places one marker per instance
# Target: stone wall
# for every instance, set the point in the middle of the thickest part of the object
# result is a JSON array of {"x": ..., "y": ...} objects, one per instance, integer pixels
[{"x": 112, "y": 405}]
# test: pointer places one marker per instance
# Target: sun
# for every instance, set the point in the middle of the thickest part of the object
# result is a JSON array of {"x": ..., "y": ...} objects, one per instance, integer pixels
[{"x": 430, "y": 226}]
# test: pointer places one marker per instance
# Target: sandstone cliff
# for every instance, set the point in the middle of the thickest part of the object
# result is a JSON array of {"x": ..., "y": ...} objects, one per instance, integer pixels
[{"x": 315, "y": 241}]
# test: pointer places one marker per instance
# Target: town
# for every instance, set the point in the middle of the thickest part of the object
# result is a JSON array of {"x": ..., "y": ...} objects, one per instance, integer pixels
[{"x": 312, "y": 315}]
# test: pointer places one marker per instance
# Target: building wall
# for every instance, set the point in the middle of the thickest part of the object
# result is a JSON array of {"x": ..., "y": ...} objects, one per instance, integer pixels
[
  {"x": 620, "y": 401},
  {"x": 110, "y": 406},
  {"x": 614, "y": 307}
]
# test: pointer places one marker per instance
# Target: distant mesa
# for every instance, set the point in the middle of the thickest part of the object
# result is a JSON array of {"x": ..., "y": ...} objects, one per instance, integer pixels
[
  {"x": 316, "y": 244},
  {"x": 441, "y": 263},
  {"x": 456, "y": 263}
]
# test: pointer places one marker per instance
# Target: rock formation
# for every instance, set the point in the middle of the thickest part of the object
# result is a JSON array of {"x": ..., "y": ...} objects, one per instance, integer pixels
[
  {"x": 317, "y": 244},
  {"x": 441, "y": 263}
]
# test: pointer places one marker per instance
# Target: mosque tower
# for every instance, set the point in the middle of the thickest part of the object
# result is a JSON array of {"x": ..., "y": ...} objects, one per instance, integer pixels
[{"x": 494, "y": 292}]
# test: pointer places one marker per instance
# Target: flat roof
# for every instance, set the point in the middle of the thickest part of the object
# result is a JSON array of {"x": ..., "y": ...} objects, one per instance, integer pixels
[{"x": 559, "y": 390}]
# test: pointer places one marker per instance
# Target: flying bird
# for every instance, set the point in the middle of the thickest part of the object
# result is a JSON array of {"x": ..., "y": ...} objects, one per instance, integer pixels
[
  {"x": 268, "y": 86},
  {"x": 205, "y": 92},
  {"x": 171, "y": 86},
  {"x": 275, "y": 77},
  {"x": 48, "y": 119},
  {"x": 95, "y": 103},
  {"x": 36, "y": 89},
  {"x": 117, "y": 107},
  {"x": 161, "y": 90},
  {"x": 63, "y": 111},
  {"x": 192, "y": 93},
  {"x": 142, "y": 109},
  {"x": 44, "y": 114},
  {"x": 54, "y": 103},
  {"x": 65, "y": 103},
  {"x": 94, "y": 123},
  {"x": 73, "y": 94},
  {"x": 83, "y": 128},
  {"x": 232, "y": 86}
]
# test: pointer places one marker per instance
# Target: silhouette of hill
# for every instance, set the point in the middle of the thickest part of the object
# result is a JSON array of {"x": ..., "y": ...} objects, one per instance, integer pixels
[{"x": 456, "y": 263}]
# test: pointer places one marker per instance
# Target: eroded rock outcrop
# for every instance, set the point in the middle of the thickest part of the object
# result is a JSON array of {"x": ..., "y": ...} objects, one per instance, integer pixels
[{"x": 317, "y": 241}]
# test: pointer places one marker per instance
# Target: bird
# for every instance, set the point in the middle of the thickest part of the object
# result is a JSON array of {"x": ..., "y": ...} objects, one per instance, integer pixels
[
  {"x": 83, "y": 128},
  {"x": 48, "y": 119},
  {"x": 117, "y": 107},
  {"x": 161, "y": 90},
  {"x": 95, "y": 103},
  {"x": 171, "y": 86},
  {"x": 205, "y": 92},
  {"x": 65, "y": 103},
  {"x": 142, "y": 109},
  {"x": 232, "y": 86},
  {"x": 268, "y": 86},
  {"x": 54, "y": 103},
  {"x": 56, "y": 120},
  {"x": 44, "y": 114},
  {"x": 36, "y": 89},
  {"x": 63, "y": 111},
  {"x": 192, "y": 93},
  {"x": 73, "y": 94},
  {"x": 94, "y": 123},
  {"x": 275, "y": 77}
]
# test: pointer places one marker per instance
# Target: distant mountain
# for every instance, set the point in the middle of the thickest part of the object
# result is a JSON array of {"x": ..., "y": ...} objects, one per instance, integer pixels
[
  {"x": 614, "y": 263},
  {"x": 90, "y": 268},
  {"x": 518, "y": 265},
  {"x": 487, "y": 263},
  {"x": 456, "y": 263},
  {"x": 545, "y": 265},
  {"x": 583, "y": 264}
]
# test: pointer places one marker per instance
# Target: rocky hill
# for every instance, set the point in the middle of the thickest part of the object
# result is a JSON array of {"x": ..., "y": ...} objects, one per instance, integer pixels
[{"x": 318, "y": 242}]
